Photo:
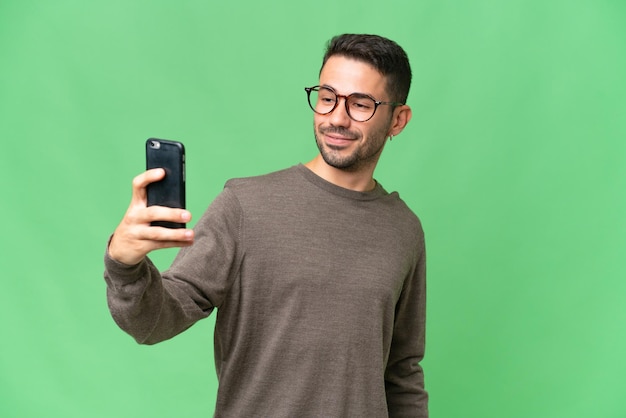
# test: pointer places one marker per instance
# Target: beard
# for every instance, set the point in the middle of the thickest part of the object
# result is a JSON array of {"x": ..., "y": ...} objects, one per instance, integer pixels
[{"x": 366, "y": 152}]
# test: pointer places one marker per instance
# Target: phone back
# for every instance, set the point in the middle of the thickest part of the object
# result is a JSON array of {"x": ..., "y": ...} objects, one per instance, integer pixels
[{"x": 169, "y": 155}]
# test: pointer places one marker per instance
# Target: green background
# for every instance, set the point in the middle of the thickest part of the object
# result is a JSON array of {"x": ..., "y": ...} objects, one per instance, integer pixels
[{"x": 515, "y": 160}]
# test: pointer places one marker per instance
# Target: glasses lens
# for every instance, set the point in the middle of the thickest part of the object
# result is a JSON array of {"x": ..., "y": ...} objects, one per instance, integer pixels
[
  {"x": 361, "y": 107},
  {"x": 322, "y": 100}
]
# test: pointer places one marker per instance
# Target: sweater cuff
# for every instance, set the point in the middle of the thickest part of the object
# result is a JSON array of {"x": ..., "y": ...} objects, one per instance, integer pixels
[{"x": 123, "y": 273}]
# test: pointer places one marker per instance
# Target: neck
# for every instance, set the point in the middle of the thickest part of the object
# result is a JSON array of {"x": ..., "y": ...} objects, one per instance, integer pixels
[{"x": 359, "y": 180}]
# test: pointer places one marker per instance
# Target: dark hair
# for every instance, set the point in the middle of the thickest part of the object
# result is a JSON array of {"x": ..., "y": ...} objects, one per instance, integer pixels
[{"x": 383, "y": 54}]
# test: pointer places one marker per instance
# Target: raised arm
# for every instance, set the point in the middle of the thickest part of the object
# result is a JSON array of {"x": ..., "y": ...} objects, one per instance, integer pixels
[{"x": 134, "y": 238}]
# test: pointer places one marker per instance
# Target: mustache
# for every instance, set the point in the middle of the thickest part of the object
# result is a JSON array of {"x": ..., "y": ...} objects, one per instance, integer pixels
[{"x": 338, "y": 130}]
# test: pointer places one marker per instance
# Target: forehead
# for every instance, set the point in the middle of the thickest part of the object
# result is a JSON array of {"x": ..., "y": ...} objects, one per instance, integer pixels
[{"x": 347, "y": 75}]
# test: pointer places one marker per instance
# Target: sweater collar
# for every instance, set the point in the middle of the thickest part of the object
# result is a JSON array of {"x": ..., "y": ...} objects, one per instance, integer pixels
[{"x": 313, "y": 178}]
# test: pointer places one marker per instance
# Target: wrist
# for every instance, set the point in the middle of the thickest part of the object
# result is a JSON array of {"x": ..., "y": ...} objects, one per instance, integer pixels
[{"x": 121, "y": 256}]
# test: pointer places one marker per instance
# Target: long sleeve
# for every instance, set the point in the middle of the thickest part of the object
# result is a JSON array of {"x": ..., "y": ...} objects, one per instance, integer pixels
[
  {"x": 404, "y": 376},
  {"x": 153, "y": 307},
  {"x": 144, "y": 306}
]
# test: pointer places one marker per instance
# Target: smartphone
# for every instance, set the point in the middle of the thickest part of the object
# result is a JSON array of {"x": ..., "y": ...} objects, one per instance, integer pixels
[{"x": 170, "y": 191}]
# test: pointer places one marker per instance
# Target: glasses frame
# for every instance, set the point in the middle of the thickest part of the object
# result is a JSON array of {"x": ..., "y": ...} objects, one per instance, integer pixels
[{"x": 345, "y": 102}]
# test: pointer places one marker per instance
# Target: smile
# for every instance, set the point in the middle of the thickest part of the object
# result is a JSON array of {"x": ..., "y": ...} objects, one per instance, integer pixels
[
  {"x": 335, "y": 137},
  {"x": 334, "y": 140}
]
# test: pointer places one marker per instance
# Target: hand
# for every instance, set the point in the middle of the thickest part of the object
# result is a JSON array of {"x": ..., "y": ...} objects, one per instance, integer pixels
[{"x": 134, "y": 237}]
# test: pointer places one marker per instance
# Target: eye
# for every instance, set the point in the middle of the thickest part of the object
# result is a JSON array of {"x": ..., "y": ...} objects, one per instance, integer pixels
[
  {"x": 362, "y": 103},
  {"x": 326, "y": 96}
]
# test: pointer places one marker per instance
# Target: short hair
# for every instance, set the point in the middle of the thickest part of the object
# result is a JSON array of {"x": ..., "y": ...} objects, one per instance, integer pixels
[{"x": 386, "y": 56}]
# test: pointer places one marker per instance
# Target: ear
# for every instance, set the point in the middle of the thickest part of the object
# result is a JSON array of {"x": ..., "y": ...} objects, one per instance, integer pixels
[{"x": 401, "y": 116}]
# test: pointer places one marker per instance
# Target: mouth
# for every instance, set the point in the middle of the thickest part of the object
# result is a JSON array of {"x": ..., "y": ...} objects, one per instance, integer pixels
[{"x": 338, "y": 139}]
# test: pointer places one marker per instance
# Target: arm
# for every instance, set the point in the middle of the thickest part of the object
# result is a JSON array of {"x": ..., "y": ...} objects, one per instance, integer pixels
[
  {"x": 152, "y": 306},
  {"x": 144, "y": 305},
  {"x": 404, "y": 377},
  {"x": 134, "y": 238}
]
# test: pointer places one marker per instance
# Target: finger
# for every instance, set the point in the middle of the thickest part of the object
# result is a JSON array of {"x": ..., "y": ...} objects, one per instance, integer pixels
[
  {"x": 163, "y": 213},
  {"x": 170, "y": 237},
  {"x": 141, "y": 181},
  {"x": 130, "y": 246}
]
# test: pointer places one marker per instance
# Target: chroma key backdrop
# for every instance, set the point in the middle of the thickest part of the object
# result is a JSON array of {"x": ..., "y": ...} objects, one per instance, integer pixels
[{"x": 515, "y": 161}]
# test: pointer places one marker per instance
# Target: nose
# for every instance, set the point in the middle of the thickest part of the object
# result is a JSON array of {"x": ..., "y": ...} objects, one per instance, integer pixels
[{"x": 339, "y": 116}]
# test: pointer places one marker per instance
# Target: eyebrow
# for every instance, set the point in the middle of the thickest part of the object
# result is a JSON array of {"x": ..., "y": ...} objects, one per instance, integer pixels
[{"x": 358, "y": 93}]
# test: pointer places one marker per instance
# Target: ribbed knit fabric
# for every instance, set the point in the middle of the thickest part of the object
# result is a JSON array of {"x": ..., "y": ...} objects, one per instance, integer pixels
[{"x": 320, "y": 298}]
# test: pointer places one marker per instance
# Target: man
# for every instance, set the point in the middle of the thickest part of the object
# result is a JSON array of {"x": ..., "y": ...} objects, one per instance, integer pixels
[{"x": 317, "y": 273}]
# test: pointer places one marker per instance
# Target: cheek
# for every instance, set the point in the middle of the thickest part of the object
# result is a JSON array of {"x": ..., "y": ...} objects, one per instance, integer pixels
[
  {"x": 377, "y": 133},
  {"x": 320, "y": 120},
  {"x": 382, "y": 128}
]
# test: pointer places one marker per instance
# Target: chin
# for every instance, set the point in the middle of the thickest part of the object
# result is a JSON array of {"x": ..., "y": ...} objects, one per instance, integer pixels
[{"x": 348, "y": 162}]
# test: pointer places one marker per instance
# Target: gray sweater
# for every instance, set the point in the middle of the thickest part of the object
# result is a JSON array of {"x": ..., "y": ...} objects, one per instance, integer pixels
[{"x": 320, "y": 298}]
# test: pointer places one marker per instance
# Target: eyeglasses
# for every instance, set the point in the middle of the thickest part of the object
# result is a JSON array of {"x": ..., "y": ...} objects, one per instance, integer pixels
[{"x": 360, "y": 107}]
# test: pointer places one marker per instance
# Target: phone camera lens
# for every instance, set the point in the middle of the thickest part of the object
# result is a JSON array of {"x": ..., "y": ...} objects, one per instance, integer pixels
[{"x": 155, "y": 144}]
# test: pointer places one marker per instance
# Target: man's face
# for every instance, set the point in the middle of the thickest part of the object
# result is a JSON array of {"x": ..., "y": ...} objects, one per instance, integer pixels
[{"x": 343, "y": 142}]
